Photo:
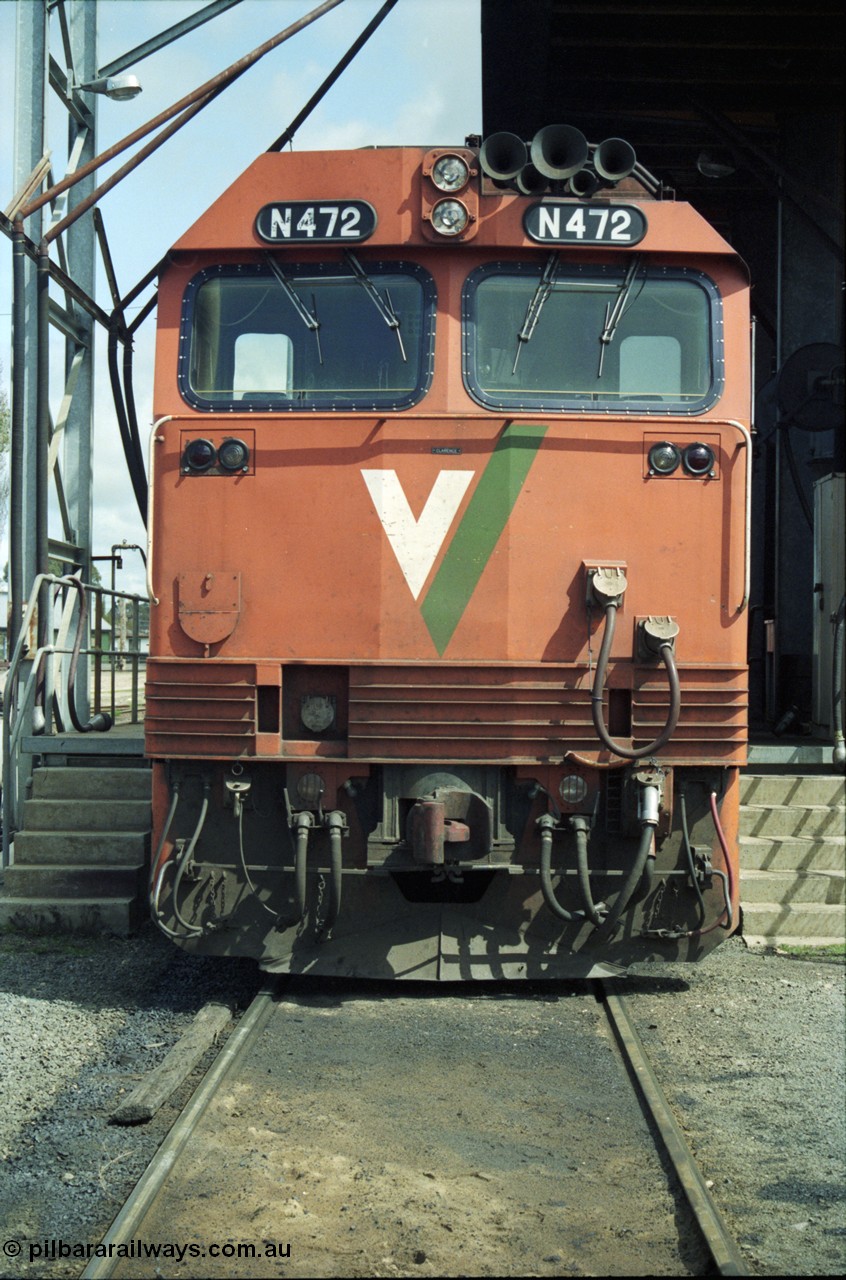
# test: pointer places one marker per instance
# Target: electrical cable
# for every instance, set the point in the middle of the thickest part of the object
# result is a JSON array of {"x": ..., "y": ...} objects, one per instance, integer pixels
[{"x": 667, "y": 657}]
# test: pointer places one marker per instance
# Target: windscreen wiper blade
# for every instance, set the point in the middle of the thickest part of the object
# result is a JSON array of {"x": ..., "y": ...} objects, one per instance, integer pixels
[
  {"x": 309, "y": 318},
  {"x": 613, "y": 315},
  {"x": 535, "y": 307},
  {"x": 385, "y": 309}
]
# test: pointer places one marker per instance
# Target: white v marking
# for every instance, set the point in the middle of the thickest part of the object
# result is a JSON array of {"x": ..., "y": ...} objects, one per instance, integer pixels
[{"x": 416, "y": 543}]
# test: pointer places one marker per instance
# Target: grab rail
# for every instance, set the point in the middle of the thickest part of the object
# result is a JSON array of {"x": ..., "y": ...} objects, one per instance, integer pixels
[{"x": 39, "y": 698}]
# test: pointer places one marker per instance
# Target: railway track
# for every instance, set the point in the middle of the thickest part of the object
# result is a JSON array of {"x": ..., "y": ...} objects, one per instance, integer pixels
[{"x": 290, "y": 1137}]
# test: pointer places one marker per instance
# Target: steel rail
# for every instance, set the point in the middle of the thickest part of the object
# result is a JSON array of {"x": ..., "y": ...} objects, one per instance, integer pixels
[
  {"x": 126, "y": 1225},
  {"x": 728, "y": 1259}
]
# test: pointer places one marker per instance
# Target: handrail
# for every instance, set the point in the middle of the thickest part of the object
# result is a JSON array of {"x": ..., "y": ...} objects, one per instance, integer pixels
[
  {"x": 42, "y": 679},
  {"x": 747, "y": 532}
]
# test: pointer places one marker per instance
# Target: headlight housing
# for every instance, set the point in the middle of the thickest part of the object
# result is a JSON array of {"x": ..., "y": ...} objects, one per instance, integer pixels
[
  {"x": 664, "y": 458},
  {"x": 450, "y": 217},
  {"x": 450, "y": 173},
  {"x": 699, "y": 459}
]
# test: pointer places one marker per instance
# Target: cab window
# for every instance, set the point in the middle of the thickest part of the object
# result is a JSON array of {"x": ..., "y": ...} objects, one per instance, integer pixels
[
  {"x": 632, "y": 337},
  {"x": 278, "y": 337}
]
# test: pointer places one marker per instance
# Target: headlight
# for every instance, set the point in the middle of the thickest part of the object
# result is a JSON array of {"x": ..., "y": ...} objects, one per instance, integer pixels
[
  {"x": 199, "y": 456},
  {"x": 572, "y": 788},
  {"x": 699, "y": 459},
  {"x": 664, "y": 458},
  {"x": 317, "y": 711},
  {"x": 233, "y": 455},
  {"x": 450, "y": 173},
  {"x": 450, "y": 217},
  {"x": 310, "y": 788}
]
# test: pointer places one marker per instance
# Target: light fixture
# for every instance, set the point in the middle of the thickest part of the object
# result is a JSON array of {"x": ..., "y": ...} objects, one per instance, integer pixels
[
  {"x": 450, "y": 173},
  {"x": 664, "y": 458},
  {"x": 119, "y": 88},
  {"x": 450, "y": 217},
  {"x": 199, "y": 456},
  {"x": 699, "y": 459},
  {"x": 310, "y": 788},
  {"x": 572, "y": 788},
  {"x": 233, "y": 455},
  {"x": 317, "y": 711},
  {"x": 716, "y": 164}
]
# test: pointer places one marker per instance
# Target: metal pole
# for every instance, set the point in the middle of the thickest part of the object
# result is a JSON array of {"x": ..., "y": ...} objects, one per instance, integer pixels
[
  {"x": 31, "y": 50},
  {"x": 77, "y": 463},
  {"x": 31, "y": 82}
]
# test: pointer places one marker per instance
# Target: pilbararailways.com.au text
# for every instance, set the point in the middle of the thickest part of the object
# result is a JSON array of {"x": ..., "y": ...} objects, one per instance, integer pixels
[{"x": 52, "y": 1250}]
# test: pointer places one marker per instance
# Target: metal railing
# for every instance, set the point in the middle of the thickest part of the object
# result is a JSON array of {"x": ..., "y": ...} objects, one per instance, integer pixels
[{"x": 69, "y": 673}]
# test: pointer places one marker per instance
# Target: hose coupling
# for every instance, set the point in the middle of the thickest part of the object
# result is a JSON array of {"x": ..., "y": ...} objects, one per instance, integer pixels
[{"x": 649, "y": 804}]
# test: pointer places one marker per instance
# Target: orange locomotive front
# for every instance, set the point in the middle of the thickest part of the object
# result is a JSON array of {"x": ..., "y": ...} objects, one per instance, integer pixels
[{"x": 449, "y": 564}]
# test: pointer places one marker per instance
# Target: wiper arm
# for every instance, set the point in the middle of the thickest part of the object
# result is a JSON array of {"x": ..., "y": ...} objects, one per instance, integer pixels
[
  {"x": 535, "y": 307},
  {"x": 613, "y": 315},
  {"x": 309, "y": 318},
  {"x": 385, "y": 309}
]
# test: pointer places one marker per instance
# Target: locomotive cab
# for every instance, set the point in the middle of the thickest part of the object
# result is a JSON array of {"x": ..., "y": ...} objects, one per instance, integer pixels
[{"x": 449, "y": 564}]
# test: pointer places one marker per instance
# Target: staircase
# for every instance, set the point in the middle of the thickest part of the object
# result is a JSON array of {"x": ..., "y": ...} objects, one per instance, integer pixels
[
  {"x": 792, "y": 858},
  {"x": 80, "y": 858}
]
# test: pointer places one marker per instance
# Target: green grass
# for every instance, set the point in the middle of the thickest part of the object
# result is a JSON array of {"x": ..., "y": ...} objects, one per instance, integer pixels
[
  {"x": 66, "y": 944},
  {"x": 837, "y": 950}
]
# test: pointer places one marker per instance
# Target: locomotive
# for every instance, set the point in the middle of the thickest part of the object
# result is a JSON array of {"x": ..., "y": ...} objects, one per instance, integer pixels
[{"x": 449, "y": 562}]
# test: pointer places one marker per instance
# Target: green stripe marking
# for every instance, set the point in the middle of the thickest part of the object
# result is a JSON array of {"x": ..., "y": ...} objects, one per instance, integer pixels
[{"x": 475, "y": 538}]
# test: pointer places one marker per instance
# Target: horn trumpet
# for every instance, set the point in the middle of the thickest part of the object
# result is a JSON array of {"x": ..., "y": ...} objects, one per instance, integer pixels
[
  {"x": 583, "y": 183},
  {"x": 559, "y": 151},
  {"x": 614, "y": 159},
  {"x": 503, "y": 156},
  {"x": 530, "y": 181}
]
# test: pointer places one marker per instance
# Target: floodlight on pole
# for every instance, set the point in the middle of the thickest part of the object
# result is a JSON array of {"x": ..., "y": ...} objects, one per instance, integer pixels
[{"x": 119, "y": 88}]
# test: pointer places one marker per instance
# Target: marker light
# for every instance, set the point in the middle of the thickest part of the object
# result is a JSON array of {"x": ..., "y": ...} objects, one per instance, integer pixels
[
  {"x": 199, "y": 456},
  {"x": 450, "y": 217},
  {"x": 233, "y": 455},
  {"x": 572, "y": 788},
  {"x": 699, "y": 459},
  {"x": 310, "y": 788},
  {"x": 664, "y": 458},
  {"x": 450, "y": 173}
]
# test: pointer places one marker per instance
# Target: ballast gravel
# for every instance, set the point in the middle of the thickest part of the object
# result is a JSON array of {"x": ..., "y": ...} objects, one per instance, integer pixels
[{"x": 748, "y": 1045}]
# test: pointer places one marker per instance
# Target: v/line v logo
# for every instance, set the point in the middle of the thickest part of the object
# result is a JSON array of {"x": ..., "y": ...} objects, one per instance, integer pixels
[{"x": 417, "y": 543}]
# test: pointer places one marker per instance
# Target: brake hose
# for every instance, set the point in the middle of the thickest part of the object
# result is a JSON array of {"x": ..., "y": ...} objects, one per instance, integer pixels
[
  {"x": 666, "y": 652},
  {"x": 636, "y": 872},
  {"x": 595, "y": 912}
]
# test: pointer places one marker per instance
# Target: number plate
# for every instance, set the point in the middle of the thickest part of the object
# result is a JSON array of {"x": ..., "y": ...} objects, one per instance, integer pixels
[
  {"x": 584, "y": 223},
  {"x": 301, "y": 222}
]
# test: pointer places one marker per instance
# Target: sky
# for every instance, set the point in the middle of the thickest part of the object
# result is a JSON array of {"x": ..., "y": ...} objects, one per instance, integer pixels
[{"x": 416, "y": 81}]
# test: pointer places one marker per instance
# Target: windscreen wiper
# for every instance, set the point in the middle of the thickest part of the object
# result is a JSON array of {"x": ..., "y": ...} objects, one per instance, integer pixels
[
  {"x": 535, "y": 307},
  {"x": 385, "y": 309},
  {"x": 309, "y": 318},
  {"x": 613, "y": 315}
]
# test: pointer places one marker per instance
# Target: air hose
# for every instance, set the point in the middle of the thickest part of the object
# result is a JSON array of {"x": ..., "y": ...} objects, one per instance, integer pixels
[
  {"x": 595, "y": 912},
  {"x": 633, "y": 879},
  {"x": 666, "y": 653}
]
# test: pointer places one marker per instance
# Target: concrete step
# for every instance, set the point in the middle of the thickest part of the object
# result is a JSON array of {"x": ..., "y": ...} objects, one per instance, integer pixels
[
  {"x": 58, "y": 783},
  {"x": 793, "y": 886},
  {"x": 792, "y": 820},
  {"x": 781, "y": 789},
  {"x": 763, "y": 853},
  {"x": 99, "y": 916},
  {"x": 81, "y": 848},
  {"x": 87, "y": 815},
  {"x": 56, "y": 880},
  {"x": 815, "y": 920}
]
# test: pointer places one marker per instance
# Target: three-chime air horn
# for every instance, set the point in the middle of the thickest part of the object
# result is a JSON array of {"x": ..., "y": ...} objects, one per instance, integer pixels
[{"x": 559, "y": 153}]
